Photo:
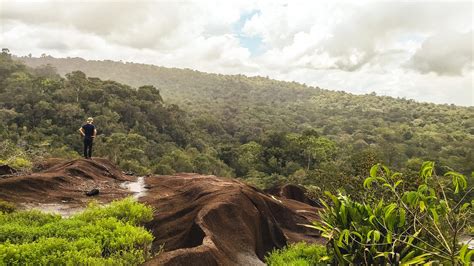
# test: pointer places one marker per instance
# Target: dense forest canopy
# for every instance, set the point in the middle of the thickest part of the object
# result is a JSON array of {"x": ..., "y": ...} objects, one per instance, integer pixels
[{"x": 173, "y": 120}]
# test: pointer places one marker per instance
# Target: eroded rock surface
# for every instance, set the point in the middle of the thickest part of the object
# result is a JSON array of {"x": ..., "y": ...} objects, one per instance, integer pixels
[
  {"x": 205, "y": 220},
  {"x": 199, "y": 220},
  {"x": 66, "y": 181}
]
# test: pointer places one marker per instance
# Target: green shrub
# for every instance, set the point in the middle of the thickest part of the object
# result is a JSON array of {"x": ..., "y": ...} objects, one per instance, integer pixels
[
  {"x": 18, "y": 163},
  {"x": 125, "y": 210},
  {"x": 412, "y": 227},
  {"x": 7, "y": 207},
  {"x": 299, "y": 254},
  {"x": 108, "y": 235},
  {"x": 360, "y": 233}
]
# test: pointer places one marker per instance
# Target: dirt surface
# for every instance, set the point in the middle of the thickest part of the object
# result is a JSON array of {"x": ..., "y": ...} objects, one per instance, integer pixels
[
  {"x": 198, "y": 220},
  {"x": 205, "y": 220}
]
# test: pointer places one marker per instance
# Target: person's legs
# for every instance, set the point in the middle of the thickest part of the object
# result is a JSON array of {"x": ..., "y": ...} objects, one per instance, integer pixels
[
  {"x": 85, "y": 147},
  {"x": 90, "y": 149}
]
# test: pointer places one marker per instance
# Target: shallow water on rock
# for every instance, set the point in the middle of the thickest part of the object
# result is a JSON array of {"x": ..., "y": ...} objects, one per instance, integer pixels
[{"x": 137, "y": 187}]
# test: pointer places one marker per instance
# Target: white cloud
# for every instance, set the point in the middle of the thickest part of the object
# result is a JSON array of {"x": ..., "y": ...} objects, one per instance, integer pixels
[
  {"x": 420, "y": 50},
  {"x": 447, "y": 53}
]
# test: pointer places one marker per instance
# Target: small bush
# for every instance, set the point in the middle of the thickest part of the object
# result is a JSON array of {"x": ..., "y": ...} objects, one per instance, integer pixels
[
  {"x": 7, "y": 207},
  {"x": 108, "y": 235},
  {"x": 125, "y": 210},
  {"x": 18, "y": 163},
  {"x": 299, "y": 254}
]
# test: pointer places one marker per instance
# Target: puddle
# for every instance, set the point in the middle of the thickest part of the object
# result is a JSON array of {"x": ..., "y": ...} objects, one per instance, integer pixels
[{"x": 137, "y": 187}]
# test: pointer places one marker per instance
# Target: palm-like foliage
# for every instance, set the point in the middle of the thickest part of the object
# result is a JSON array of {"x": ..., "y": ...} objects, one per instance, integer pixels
[{"x": 414, "y": 226}]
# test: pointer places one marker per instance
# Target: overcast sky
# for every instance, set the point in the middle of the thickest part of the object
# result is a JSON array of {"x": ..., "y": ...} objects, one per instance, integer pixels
[{"x": 419, "y": 50}]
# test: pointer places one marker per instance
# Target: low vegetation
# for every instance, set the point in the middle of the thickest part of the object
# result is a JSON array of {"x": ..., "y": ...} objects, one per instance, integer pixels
[
  {"x": 298, "y": 254},
  {"x": 7, "y": 207},
  {"x": 110, "y": 235}
]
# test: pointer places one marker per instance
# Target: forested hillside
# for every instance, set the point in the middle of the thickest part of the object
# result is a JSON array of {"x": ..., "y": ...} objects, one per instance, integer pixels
[
  {"x": 257, "y": 128},
  {"x": 40, "y": 113}
]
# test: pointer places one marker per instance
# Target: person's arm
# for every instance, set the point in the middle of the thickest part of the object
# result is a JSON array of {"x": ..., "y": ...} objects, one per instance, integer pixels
[
  {"x": 95, "y": 133},
  {"x": 81, "y": 130}
]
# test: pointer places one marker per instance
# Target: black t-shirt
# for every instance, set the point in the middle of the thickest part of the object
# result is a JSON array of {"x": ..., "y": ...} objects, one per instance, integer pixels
[{"x": 88, "y": 130}]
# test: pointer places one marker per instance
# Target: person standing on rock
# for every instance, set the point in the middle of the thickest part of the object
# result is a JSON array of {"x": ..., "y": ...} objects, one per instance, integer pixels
[{"x": 89, "y": 132}]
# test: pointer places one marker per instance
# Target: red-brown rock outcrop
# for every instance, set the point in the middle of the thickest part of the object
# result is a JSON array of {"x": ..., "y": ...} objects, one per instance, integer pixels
[
  {"x": 65, "y": 181},
  {"x": 205, "y": 220},
  {"x": 198, "y": 220}
]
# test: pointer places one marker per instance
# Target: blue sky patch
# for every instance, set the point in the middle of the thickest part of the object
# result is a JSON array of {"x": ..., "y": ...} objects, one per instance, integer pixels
[{"x": 252, "y": 43}]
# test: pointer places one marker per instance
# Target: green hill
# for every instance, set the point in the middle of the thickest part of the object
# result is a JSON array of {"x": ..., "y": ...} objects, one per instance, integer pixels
[{"x": 265, "y": 130}]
